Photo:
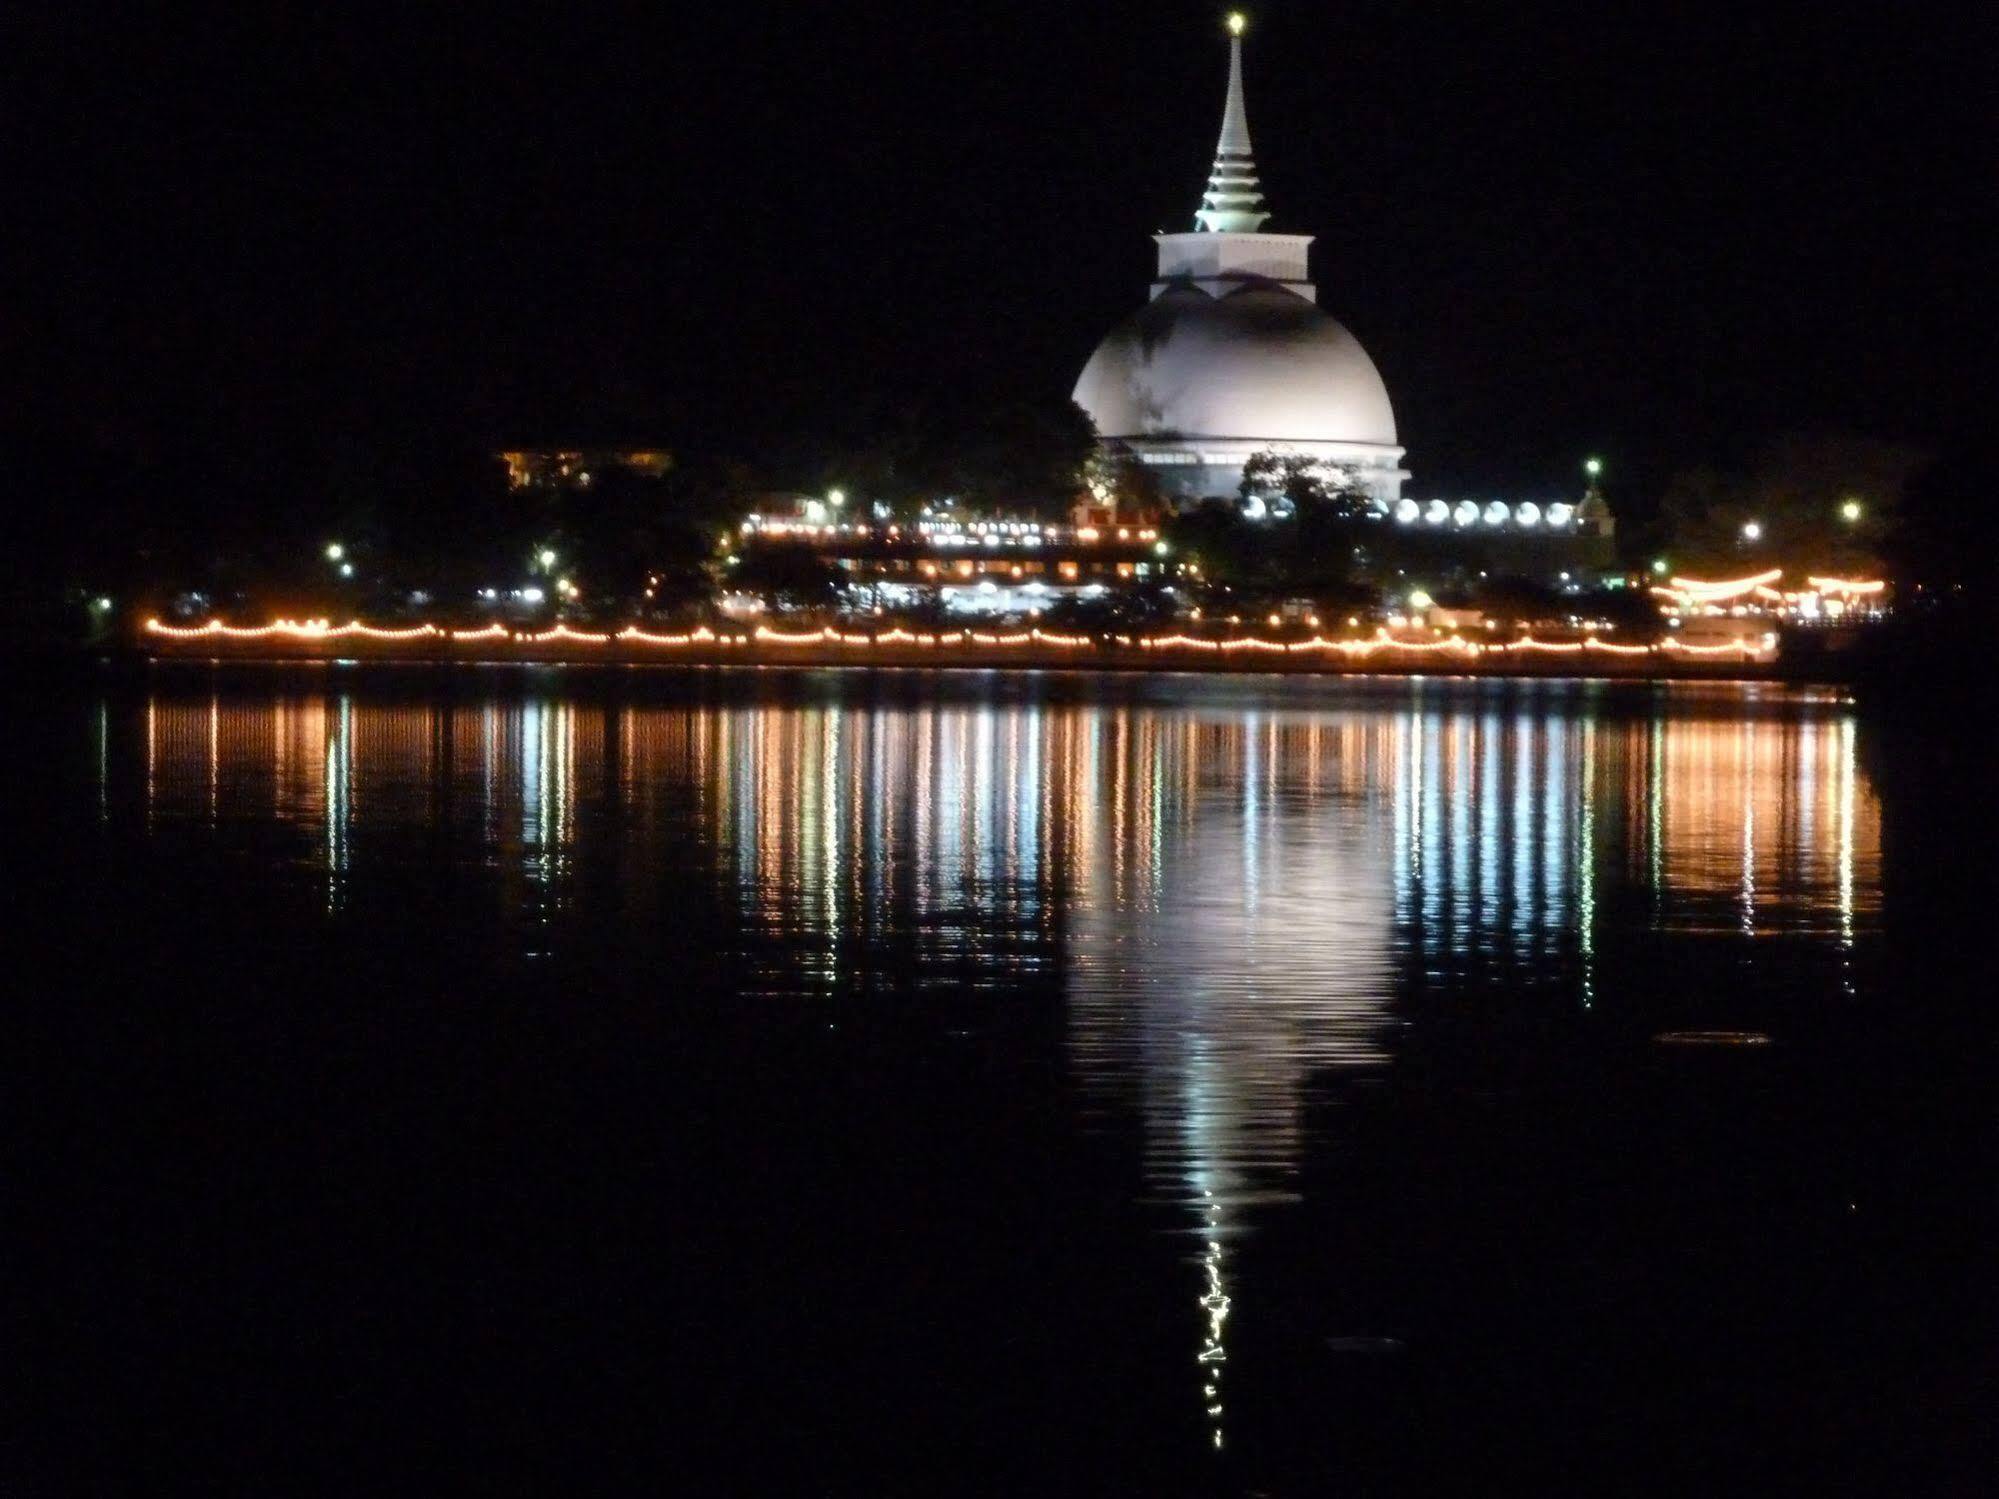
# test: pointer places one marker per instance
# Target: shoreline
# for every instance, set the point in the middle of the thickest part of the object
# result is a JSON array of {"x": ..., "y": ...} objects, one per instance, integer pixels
[{"x": 1027, "y": 651}]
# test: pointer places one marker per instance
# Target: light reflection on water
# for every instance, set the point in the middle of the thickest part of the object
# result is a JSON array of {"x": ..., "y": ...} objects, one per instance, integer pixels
[{"x": 1241, "y": 903}]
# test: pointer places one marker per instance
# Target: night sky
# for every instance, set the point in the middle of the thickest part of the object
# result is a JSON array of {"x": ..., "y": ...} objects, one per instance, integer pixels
[{"x": 1663, "y": 233}]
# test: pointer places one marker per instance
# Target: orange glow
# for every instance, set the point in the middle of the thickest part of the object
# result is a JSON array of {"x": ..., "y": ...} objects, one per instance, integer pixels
[
  {"x": 316, "y": 630},
  {"x": 1712, "y": 592}
]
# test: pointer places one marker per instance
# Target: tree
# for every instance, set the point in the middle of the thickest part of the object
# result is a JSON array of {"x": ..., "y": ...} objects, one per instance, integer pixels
[
  {"x": 1116, "y": 476},
  {"x": 788, "y": 576},
  {"x": 1274, "y": 475},
  {"x": 1230, "y": 551},
  {"x": 1027, "y": 458},
  {"x": 1808, "y": 503}
]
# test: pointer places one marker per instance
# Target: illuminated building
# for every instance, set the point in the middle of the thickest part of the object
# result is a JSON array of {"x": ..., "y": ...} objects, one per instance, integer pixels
[
  {"x": 578, "y": 468},
  {"x": 1013, "y": 568},
  {"x": 1232, "y": 355}
]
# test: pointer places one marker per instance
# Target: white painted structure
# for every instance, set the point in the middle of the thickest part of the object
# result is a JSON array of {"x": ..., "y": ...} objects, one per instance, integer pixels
[{"x": 1233, "y": 355}]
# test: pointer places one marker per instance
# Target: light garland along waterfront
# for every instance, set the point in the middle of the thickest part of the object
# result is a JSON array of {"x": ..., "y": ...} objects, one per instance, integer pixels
[{"x": 312, "y": 638}]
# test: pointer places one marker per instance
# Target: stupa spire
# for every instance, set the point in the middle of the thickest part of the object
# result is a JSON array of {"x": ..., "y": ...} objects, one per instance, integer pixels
[{"x": 1233, "y": 203}]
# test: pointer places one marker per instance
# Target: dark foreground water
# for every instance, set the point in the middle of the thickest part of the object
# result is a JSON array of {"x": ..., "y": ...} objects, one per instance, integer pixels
[{"x": 789, "y": 1082}]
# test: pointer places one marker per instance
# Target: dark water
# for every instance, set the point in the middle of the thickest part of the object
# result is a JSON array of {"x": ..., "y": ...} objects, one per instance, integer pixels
[{"x": 820, "y": 1081}]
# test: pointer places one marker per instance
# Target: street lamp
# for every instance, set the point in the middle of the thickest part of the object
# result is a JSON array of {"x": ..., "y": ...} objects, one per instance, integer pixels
[
  {"x": 836, "y": 497},
  {"x": 1593, "y": 466},
  {"x": 1752, "y": 530},
  {"x": 346, "y": 569},
  {"x": 335, "y": 551},
  {"x": 1850, "y": 511},
  {"x": 1659, "y": 566},
  {"x": 546, "y": 557}
]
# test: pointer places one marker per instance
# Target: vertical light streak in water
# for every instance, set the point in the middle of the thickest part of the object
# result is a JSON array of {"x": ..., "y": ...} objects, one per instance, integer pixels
[
  {"x": 986, "y": 800},
  {"x": 1585, "y": 859},
  {"x": 924, "y": 773},
  {"x": 152, "y": 761},
  {"x": 214, "y": 756},
  {"x": 489, "y": 769},
  {"x": 1747, "y": 740},
  {"x": 534, "y": 775},
  {"x": 103, "y": 760},
  {"x": 1557, "y": 815},
  {"x": 829, "y": 839},
  {"x": 1436, "y": 868},
  {"x": 1491, "y": 733},
  {"x": 1028, "y": 798},
  {"x": 1846, "y": 777},
  {"x": 1805, "y": 781},
  {"x": 1214, "y": 1303},
  {"x": 1655, "y": 798},
  {"x": 339, "y": 800},
  {"x": 1524, "y": 742},
  {"x": 882, "y": 791},
  {"x": 1463, "y": 855}
]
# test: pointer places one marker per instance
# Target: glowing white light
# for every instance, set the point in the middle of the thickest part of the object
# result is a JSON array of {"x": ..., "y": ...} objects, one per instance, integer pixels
[
  {"x": 1593, "y": 466},
  {"x": 836, "y": 497},
  {"x": 1466, "y": 512},
  {"x": 1527, "y": 513},
  {"x": 1436, "y": 512},
  {"x": 335, "y": 551},
  {"x": 1236, "y": 23},
  {"x": 1560, "y": 514},
  {"x": 1418, "y": 599},
  {"x": 546, "y": 556},
  {"x": 1850, "y": 511},
  {"x": 1496, "y": 513},
  {"x": 1407, "y": 511},
  {"x": 1752, "y": 530},
  {"x": 346, "y": 569}
]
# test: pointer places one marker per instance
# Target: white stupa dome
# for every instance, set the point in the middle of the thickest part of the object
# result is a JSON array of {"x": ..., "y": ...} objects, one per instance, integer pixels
[
  {"x": 1254, "y": 362},
  {"x": 1233, "y": 356}
]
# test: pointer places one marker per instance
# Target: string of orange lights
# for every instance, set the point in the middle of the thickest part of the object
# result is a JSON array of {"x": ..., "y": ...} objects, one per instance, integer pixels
[{"x": 317, "y": 630}]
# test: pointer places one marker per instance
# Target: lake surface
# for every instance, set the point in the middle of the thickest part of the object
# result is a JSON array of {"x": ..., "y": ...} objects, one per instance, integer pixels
[{"x": 954, "y": 1082}]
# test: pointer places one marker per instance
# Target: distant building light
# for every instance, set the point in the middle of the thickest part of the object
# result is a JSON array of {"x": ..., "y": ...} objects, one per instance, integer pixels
[
  {"x": 346, "y": 569},
  {"x": 1466, "y": 512},
  {"x": 1496, "y": 513},
  {"x": 1406, "y": 511},
  {"x": 1850, "y": 511},
  {"x": 1560, "y": 514},
  {"x": 1436, "y": 512},
  {"x": 335, "y": 551},
  {"x": 1527, "y": 513}
]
